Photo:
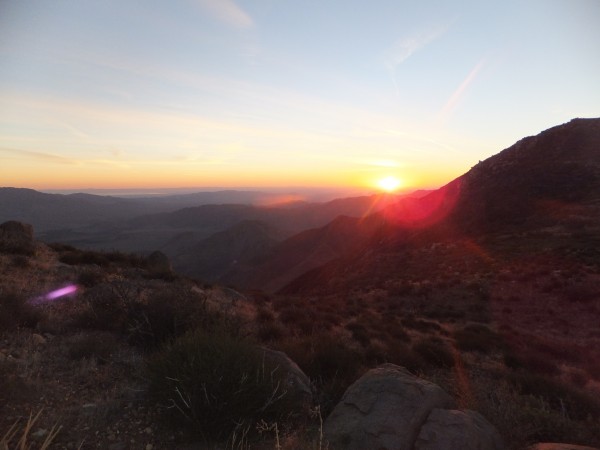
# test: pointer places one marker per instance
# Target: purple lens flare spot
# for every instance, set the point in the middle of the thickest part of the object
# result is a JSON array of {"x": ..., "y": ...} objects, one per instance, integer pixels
[{"x": 53, "y": 295}]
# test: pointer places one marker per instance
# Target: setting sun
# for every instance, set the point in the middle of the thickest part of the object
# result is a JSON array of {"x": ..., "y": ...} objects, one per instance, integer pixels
[{"x": 389, "y": 184}]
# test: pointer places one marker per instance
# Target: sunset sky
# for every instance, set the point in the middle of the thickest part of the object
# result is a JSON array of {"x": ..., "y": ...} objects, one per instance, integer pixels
[{"x": 259, "y": 93}]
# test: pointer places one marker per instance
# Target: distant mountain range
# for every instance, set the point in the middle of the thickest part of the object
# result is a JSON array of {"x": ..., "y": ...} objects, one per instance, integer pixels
[
  {"x": 548, "y": 181},
  {"x": 57, "y": 211},
  {"x": 207, "y": 241}
]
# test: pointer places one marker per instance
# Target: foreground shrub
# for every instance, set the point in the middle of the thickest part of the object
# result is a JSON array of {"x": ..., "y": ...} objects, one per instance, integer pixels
[
  {"x": 19, "y": 436},
  {"x": 559, "y": 396},
  {"x": 434, "y": 351},
  {"x": 147, "y": 321},
  {"x": 331, "y": 364},
  {"x": 477, "y": 338},
  {"x": 16, "y": 312},
  {"x": 523, "y": 419},
  {"x": 172, "y": 312},
  {"x": 99, "y": 345},
  {"x": 219, "y": 384}
]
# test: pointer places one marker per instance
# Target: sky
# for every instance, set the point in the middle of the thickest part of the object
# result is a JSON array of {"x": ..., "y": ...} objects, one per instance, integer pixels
[{"x": 277, "y": 93}]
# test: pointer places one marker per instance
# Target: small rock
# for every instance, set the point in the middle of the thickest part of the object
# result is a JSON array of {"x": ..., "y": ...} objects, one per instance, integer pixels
[
  {"x": 117, "y": 446},
  {"x": 38, "y": 339},
  {"x": 39, "y": 433},
  {"x": 148, "y": 430},
  {"x": 149, "y": 446},
  {"x": 556, "y": 446}
]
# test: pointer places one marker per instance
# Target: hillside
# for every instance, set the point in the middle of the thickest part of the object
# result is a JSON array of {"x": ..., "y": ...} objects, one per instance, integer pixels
[
  {"x": 545, "y": 185},
  {"x": 501, "y": 309}
]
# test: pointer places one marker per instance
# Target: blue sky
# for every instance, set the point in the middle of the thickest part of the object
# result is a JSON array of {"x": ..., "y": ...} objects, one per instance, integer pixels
[{"x": 275, "y": 93}]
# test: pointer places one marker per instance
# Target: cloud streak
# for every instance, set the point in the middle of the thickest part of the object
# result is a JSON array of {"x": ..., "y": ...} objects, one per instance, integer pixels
[
  {"x": 40, "y": 156},
  {"x": 459, "y": 93},
  {"x": 227, "y": 12},
  {"x": 404, "y": 47}
]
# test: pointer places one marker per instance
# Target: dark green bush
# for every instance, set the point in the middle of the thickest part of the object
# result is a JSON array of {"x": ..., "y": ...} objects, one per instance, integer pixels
[
  {"x": 16, "y": 312},
  {"x": 90, "y": 278},
  {"x": 477, "y": 337},
  {"x": 331, "y": 364},
  {"x": 219, "y": 383},
  {"x": 434, "y": 351},
  {"x": 402, "y": 355},
  {"x": 270, "y": 331},
  {"x": 561, "y": 397},
  {"x": 98, "y": 345}
]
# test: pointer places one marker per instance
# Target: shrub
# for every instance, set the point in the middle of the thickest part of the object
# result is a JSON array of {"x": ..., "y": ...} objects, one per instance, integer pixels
[
  {"x": 270, "y": 331},
  {"x": 524, "y": 419},
  {"x": 359, "y": 333},
  {"x": 20, "y": 435},
  {"x": 79, "y": 257},
  {"x": 420, "y": 324},
  {"x": 476, "y": 337},
  {"x": 561, "y": 397},
  {"x": 90, "y": 278},
  {"x": 99, "y": 345},
  {"x": 20, "y": 261},
  {"x": 16, "y": 312},
  {"x": 582, "y": 293},
  {"x": 330, "y": 363},
  {"x": 402, "y": 355},
  {"x": 434, "y": 351},
  {"x": 219, "y": 384}
]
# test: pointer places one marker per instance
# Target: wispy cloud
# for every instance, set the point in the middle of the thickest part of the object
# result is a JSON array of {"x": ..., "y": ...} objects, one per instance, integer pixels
[
  {"x": 406, "y": 46},
  {"x": 228, "y": 12},
  {"x": 40, "y": 156},
  {"x": 459, "y": 93}
]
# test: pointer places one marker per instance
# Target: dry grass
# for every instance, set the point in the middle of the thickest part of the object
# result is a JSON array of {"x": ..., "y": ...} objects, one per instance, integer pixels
[{"x": 19, "y": 437}]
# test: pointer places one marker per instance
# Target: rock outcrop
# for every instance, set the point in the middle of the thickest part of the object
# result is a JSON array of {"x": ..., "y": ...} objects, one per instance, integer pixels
[
  {"x": 298, "y": 384},
  {"x": 452, "y": 429},
  {"x": 383, "y": 410},
  {"x": 391, "y": 409},
  {"x": 557, "y": 446},
  {"x": 17, "y": 237}
]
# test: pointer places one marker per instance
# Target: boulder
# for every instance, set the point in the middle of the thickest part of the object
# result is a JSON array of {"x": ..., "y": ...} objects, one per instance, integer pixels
[
  {"x": 557, "y": 446},
  {"x": 451, "y": 429},
  {"x": 384, "y": 409},
  {"x": 297, "y": 383},
  {"x": 17, "y": 237}
]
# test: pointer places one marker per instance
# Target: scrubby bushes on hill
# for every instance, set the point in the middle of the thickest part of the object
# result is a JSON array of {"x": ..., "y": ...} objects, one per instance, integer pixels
[{"x": 220, "y": 384}]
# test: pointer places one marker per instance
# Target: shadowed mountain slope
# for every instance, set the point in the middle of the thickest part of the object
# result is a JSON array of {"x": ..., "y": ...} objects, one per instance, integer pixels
[{"x": 547, "y": 183}]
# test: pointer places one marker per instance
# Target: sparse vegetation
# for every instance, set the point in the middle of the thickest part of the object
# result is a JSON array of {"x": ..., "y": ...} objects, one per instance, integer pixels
[
  {"x": 220, "y": 384},
  {"x": 16, "y": 311},
  {"x": 19, "y": 436}
]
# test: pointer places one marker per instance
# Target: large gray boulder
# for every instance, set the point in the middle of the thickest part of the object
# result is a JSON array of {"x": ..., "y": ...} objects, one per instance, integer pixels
[
  {"x": 383, "y": 410},
  {"x": 297, "y": 383},
  {"x": 557, "y": 446},
  {"x": 451, "y": 429},
  {"x": 17, "y": 237}
]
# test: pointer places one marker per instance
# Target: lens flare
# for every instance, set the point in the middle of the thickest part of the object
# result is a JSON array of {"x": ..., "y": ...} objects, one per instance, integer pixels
[{"x": 53, "y": 295}]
